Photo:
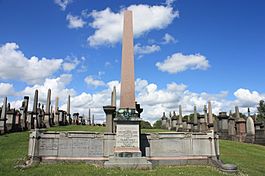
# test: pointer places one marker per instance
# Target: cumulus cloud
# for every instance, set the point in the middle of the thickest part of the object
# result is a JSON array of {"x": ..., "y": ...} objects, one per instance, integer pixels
[
  {"x": 179, "y": 63},
  {"x": 75, "y": 22},
  {"x": 246, "y": 98},
  {"x": 62, "y": 3},
  {"x": 168, "y": 39},
  {"x": 15, "y": 65},
  {"x": 6, "y": 89},
  {"x": 70, "y": 63},
  {"x": 148, "y": 49},
  {"x": 108, "y": 24},
  {"x": 93, "y": 82},
  {"x": 58, "y": 88}
]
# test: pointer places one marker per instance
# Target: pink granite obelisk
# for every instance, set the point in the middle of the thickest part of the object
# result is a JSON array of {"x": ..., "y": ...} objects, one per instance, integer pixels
[{"x": 127, "y": 99}]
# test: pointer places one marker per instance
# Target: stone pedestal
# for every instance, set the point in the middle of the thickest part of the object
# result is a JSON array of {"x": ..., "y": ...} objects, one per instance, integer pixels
[
  {"x": 110, "y": 112},
  {"x": 127, "y": 152},
  {"x": 46, "y": 121}
]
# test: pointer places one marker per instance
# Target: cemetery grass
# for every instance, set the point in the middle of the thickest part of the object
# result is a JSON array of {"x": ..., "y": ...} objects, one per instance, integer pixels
[{"x": 13, "y": 151}]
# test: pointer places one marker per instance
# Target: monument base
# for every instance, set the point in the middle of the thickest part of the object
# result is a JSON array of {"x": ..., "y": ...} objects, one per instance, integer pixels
[{"x": 128, "y": 162}]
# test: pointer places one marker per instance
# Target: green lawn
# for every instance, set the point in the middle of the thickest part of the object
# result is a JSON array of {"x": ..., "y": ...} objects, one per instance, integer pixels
[{"x": 13, "y": 150}]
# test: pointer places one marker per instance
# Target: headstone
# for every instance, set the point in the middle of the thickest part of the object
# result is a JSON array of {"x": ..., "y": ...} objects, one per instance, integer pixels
[
  {"x": 210, "y": 124},
  {"x": 24, "y": 111},
  {"x": 68, "y": 120},
  {"x": 3, "y": 117},
  {"x": 174, "y": 121},
  {"x": 36, "y": 121},
  {"x": 164, "y": 121},
  {"x": 110, "y": 112},
  {"x": 250, "y": 138},
  {"x": 89, "y": 117},
  {"x": 195, "y": 120},
  {"x": 180, "y": 125},
  {"x": 240, "y": 126},
  {"x": 231, "y": 126},
  {"x": 56, "y": 111},
  {"x": 113, "y": 97},
  {"x": 205, "y": 114},
  {"x": 93, "y": 120},
  {"x": 47, "y": 115}
]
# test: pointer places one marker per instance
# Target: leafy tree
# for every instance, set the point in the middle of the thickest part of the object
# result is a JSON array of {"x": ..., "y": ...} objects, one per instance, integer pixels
[
  {"x": 145, "y": 125},
  {"x": 157, "y": 124},
  {"x": 261, "y": 111}
]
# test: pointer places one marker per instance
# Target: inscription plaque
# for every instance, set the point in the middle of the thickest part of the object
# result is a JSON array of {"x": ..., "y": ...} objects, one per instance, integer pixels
[{"x": 127, "y": 135}]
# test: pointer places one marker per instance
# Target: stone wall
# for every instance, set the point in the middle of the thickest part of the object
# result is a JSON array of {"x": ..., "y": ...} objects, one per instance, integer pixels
[{"x": 98, "y": 147}]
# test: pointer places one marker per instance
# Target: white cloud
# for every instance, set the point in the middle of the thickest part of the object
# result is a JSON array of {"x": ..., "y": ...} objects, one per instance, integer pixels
[
  {"x": 62, "y": 3},
  {"x": 57, "y": 86},
  {"x": 6, "y": 89},
  {"x": 246, "y": 98},
  {"x": 108, "y": 24},
  {"x": 179, "y": 63},
  {"x": 15, "y": 65},
  {"x": 93, "y": 82},
  {"x": 168, "y": 39},
  {"x": 71, "y": 63},
  {"x": 148, "y": 49},
  {"x": 75, "y": 22}
]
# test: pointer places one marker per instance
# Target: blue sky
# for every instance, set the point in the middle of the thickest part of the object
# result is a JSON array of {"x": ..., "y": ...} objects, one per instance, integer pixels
[{"x": 186, "y": 52}]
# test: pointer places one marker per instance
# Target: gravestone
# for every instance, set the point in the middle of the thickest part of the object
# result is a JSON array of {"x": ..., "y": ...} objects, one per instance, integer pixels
[
  {"x": 3, "y": 117},
  {"x": 195, "y": 120},
  {"x": 68, "y": 115},
  {"x": 164, "y": 121},
  {"x": 47, "y": 115},
  {"x": 250, "y": 137}
]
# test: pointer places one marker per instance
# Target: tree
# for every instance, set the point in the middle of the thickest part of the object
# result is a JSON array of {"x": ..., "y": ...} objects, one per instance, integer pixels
[
  {"x": 261, "y": 111},
  {"x": 158, "y": 124},
  {"x": 145, "y": 125}
]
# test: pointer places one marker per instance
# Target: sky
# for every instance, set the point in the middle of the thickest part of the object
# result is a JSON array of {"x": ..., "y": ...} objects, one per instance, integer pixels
[{"x": 186, "y": 52}]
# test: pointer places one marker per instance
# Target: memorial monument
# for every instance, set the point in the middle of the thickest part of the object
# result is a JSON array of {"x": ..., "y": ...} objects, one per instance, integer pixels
[
  {"x": 127, "y": 152},
  {"x": 123, "y": 145}
]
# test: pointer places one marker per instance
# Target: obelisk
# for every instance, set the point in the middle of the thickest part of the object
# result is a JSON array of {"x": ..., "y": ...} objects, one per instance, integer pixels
[{"x": 127, "y": 99}]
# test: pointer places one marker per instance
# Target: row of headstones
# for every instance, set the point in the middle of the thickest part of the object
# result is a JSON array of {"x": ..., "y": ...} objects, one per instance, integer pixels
[
  {"x": 199, "y": 123},
  {"x": 228, "y": 127},
  {"x": 239, "y": 128},
  {"x": 22, "y": 119}
]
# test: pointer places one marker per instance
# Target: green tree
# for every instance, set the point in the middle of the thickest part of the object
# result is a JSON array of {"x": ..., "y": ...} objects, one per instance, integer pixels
[
  {"x": 145, "y": 125},
  {"x": 157, "y": 124},
  {"x": 261, "y": 110}
]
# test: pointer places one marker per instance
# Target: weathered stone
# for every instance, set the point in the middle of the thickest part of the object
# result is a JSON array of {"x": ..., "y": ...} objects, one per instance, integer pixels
[
  {"x": 164, "y": 121},
  {"x": 68, "y": 119},
  {"x": 113, "y": 97},
  {"x": 195, "y": 120},
  {"x": 3, "y": 117},
  {"x": 210, "y": 124},
  {"x": 110, "y": 113}
]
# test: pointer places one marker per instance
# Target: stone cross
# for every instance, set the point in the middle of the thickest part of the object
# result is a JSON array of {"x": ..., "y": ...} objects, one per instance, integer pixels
[
  {"x": 48, "y": 102},
  {"x": 127, "y": 99}
]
